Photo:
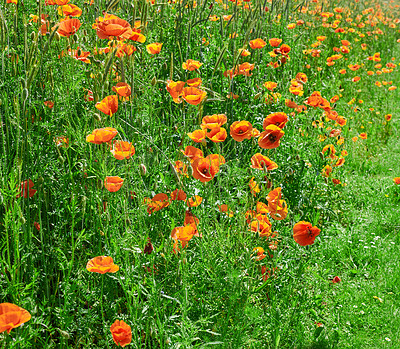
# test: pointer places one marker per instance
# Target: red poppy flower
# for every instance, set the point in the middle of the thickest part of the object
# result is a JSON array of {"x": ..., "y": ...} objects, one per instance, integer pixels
[
  {"x": 241, "y": 130},
  {"x": 102, "y": 265},
  {"x": 113, "y": 184},
  {"x": 121, "y": 333},
  {"x": 27, "y": 190},
  {"x": 304, "y": 233},
  {"x": 102, "y": 135},
  {"x": 114, "y": 28},
  {"x": 270, "y": 138},
  {"x": 12, "y": 316},
  {"x": 122, "y": 150},
  {"x": 278, "y": 119},
  {"x": 259, "y": 161},
  {"x": 205, "y": 169},
  {"x": 69, "y": 27},
  {"x": 109, "y": 105}
]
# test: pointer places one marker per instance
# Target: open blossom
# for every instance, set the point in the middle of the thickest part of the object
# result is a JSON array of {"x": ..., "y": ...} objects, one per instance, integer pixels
[
  {"x": 12, "y": 316},
  {"x": 121, "y": 333},
  {"x": 102, "y": 265}
]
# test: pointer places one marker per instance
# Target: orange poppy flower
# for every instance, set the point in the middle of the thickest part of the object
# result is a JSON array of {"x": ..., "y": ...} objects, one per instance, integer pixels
[
  {"x": 225, "y": 209},
  {"x": 49, "y": 104},
  {"x": 396, "y": 180},
  {"x": 27, "y": 190},
  {"x": 257, "y": 43},
  {"x": 157, "y": 203},
  {"x": 194, "y": 201},
  {"x": 102, "y": 265},
  {"x": 326, "y": 171},
  {"x": 121, "y": 333},
  {"x": 196, "y": 82},
  {"x": 191, "y": 65},
  {"x": 259, "y": 162},
  {"x": 278, "y": 119},
  {"x": 255, "y": 133},
  {"x": 254, "y": 188},
  {"x": 122, "y": 89},
  {"x": 192, "y": 153},
  {"x": 69, "y": 27},
  {"x": 175, "y": 88},
  {"x": 245, "y": 69},
  {"x": 113, "y": 184},
  {"x": 178, "y": 194},
  {"x": 193, "y": 95},
  {"x": 69, "y": 10},
  {"x": 191, "y": 219},
  {"x": 278, "y": 211},
  {"x": 181, "y": 168},
  {"x": 101, "y": 135},
  {"x": 108, "y": 105},
  {"x": 261, "y": 208},
  {"x": 244, "y": 52},
  {"x": 204, "y": 169},
  {"x": 304, "y": 233},
  {"x": 270, "y": 138},
  {"x": 262, "y": 227},
  {"x": 113, "y": 28},
  {"x": 241, "y": 130},
  {"x": 284, "y": 49},
  {"x": 217, "y": 134},
  {"x": 270, "y": 85},
  {"x": 274, "y": 42},
  {"x": 388, "y": 117},
  {"x": 213, "y": 121},
  {"x": 363, "y": 135},
  {"x": 137, "y": 36},
  {"x": 122, "y": 150},
  {"x": 274, "y": 196},
  {"x": 154, "y": 48},
  {"x": 12, "y": 316},
  {"x": 183, "y": 234},
  {"x": 197, "y": 136}
]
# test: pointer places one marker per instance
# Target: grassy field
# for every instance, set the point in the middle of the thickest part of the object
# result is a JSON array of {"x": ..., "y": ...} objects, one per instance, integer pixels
[{"x": 194, "y": 174}]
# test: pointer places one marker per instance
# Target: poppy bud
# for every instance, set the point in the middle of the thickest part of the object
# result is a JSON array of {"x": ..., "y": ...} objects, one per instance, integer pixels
[
  {"x": 64, "y": 334},
  {"x": 143, "y": 169},
  {"x": 25, "y": 94},
  {"x": 290, "y": 171},
  {"x": 79, "y": 52},
  {"x": 74, "y": 38},
  {"x": 61, "y": 159},
  {"x": 153, "y": 81},
  {"x": 40, "y": 180},
  {"x": 298, "y": 157},
  {"x": 258, "y": 95},
  {"x": 1, "y": 102},
  {"x": 33, "y": 36},
  {"x": 22, "y": 220},
  {"x": 97, "y": 116},
  {"x": 321, "y": 155},
  {"x": 57, "y": 36}
]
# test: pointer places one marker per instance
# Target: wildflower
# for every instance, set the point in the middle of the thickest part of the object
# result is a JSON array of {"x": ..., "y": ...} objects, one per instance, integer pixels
[
  {"x": 204, "y": 169},
  {"x": 69, "y": 27},
  {"x": 197, "y": 136},
  {"x": 191, "y": 65},
  {"x": 157, "y": 203},
  {"x": 192, "y": 153},
  {"x": 113, "y": 28},
  {"x": 241, "y": 130},
  {"x": 102, "y": 265},
  {"x": 270, "y": 85},
  {"x": 178, "y": 194},
  {"x": 304, "y": 233},
  {"x": 122, "y": 89},
  {"x": 49, "y": 104},
  {"x": 363, "y": 135},
  {"x": 259, "y": 162},
  {"x": 212, "y": 121},
  {"x": 102, "y": 135},
  {"x": 217, "y": 134},
  {"x": 396, "y": 180},
  {"x": 196, "y": 82},
  {"x": 193, "y": 95},
  {"x": 275, "y": 42},
  {"x": 336, "y": 280},
  {"x": 27, "y": 190},
  {"x": 121, "y": 333},
  {"x": 109, "y": 105},
  {"x": 113, "y": 184},
  {"x": 278, "y": 119},
  {"x": 194, "y": 201},
  {"x": 122, "y": 150},
  {"x": 257, "y": 43},
  {"x": 154, "y": 48},
  {"x": 224, "y": 209},
  {"x": 12, "y": 316},
  {"x": 270, "y": 138}
]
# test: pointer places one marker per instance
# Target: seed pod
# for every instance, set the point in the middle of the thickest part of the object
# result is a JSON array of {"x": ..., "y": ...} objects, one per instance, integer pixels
[{"x": 153, "y": 81}]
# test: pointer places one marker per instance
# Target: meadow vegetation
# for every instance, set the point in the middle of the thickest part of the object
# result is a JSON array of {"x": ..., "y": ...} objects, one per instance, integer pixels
[{"x": 194, "y": 174}]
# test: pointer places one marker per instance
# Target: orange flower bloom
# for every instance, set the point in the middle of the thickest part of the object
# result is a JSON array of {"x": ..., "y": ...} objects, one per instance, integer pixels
[
  {"x": 241, "y": 130},
  {"x": 49, "y": 104},
  {"x": 270, "y": 138},
  {"x": 259, "y": 161},
  {"x": 157, "y": 203},
  {"x": 102, "y": 135},
  {"x": 205, "y": 169},
  {"x": 270, "y": 85},
  {"x": 304, "y": 233},
  {"x": 274, "y": 196},
  {"x": 70, "y": 10},
  {"x": 274, "y": 42},
  {"x": 213, "y": 121},
  {"x": 326, "y": 171},
  {"x": 244, "y": 52},
  {"x": 192, "y": 153},
  {"x": 154, "y": 48},
  {"x": 191, "y": 65},
  {"x": 102, "y": 265},
  {"x": 193, "y": 95},
  {"x": 12, "y": 316},
  {"x": 224, "y": 209},
  {"x": 122, "y": 150},
  {"x": 182, "y": 234},
  {"x": 175, "y": 88},
  {"x": 254, "y": 188},
  {"x": 257, "y": 43},
  {"x": 122, "y": 89},
  {"x": 278, "y": 211},
  {"x": 121, "y": 333},
  {"x": 217, "y": 134},
  {"x": 194, "y": 201},
  {"x": 113, "y": 184},
  {"x": 363, "y": 135},
  {"x": 388, "y": 117},
  {"x": 191, "y": 219},
  {"x": 137, "y": 36},
  {"x": 69, "y": 27},
  {"x": 113, "y": 28},
  {"x": 196, "y": 82},
  {"x": 27, "y": 190},
  {"x": 197, "y": 136},
  {"x": 396, "y": 180},
  {"x": 278, "y": 119},
  {"x": 181, "y": 168},
  {"x": 178, "y": 194},
  {"x": 108, "y": 105}
]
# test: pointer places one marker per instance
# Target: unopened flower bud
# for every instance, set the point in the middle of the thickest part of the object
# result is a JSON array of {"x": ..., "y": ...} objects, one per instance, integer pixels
[{"x": 143, "y": 169}]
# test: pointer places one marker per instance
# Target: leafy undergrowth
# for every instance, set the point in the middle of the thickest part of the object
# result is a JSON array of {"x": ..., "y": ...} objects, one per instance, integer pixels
[{"x": 230, "y": 188}]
